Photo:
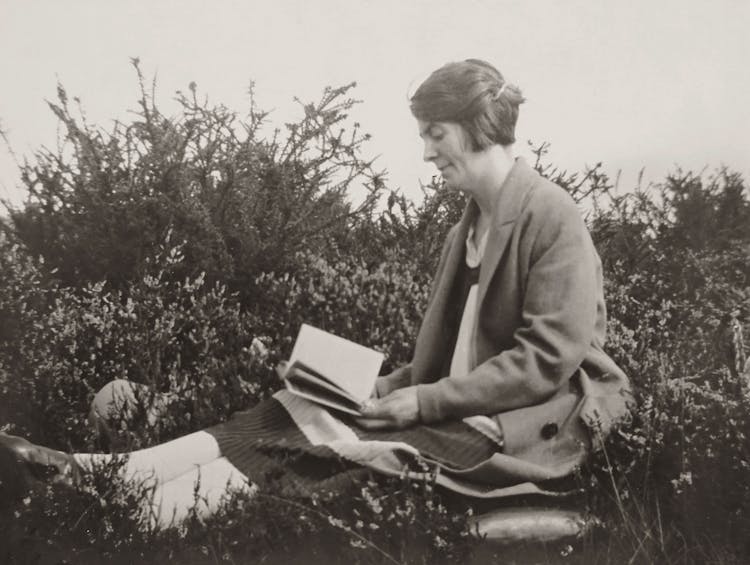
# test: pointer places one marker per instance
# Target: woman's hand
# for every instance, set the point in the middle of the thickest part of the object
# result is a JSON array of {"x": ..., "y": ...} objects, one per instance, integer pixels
[{"x": 397, "y": 410}]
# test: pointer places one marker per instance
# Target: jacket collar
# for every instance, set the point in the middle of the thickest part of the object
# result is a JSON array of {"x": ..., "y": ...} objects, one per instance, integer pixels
[
  {"x": 512, "y": 196},
  {"x": 508, "y": 205}
]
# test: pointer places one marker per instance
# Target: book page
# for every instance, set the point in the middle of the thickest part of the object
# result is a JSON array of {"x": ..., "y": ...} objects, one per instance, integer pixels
[
  {"x": 348, "y": 365},
  {"x": 299, "y": 373},
  {"x": 303, "y": 388}
]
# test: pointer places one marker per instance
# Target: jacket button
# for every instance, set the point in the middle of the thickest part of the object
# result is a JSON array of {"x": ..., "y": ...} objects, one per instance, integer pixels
[{"x": 549, "y": 430}]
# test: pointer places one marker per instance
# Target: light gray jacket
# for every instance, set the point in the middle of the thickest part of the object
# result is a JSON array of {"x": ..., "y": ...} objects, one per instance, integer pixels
[{"x": 537, "y": 357}]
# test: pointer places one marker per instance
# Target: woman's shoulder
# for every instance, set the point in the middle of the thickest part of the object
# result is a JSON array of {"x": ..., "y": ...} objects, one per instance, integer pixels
[
  {"x": 550, "y": 215},
  {"x": 549, "y": 196},
  {"x": 548, "y": 204}
]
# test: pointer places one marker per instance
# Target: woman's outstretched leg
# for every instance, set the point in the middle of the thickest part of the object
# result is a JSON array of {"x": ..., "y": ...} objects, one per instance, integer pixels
[
  {"x": 162, "y": 462},
  {"x": 179, "y": 483},
  {"x": 201, "y": 490},
  {"x": 187, "y": 473},
  {"x": 118, "y": 401}
]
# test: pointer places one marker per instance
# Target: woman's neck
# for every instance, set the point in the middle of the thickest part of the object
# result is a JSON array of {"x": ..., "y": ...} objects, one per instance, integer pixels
[{"x": 494, "y": 163}]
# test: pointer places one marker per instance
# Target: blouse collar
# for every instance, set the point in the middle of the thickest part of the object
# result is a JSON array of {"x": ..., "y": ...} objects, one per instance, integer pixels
[{"x": 474, "y": 252}]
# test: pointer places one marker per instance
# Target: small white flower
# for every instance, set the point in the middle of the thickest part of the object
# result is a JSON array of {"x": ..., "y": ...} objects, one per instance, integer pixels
[{"x": 258, "y": 349}]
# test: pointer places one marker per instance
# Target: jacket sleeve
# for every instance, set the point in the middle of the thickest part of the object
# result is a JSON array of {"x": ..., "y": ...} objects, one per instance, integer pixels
[{"x": 558, "y": 317}]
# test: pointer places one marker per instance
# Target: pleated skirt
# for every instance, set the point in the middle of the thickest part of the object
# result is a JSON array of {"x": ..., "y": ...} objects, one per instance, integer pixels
[{"x": 303, "y": 447}]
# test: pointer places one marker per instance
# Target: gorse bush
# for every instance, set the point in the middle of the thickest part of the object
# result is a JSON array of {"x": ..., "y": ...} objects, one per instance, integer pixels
[
  {"x": 183, "y": 254},
  {"x": 243, "y": 203},
  {"x": 680, "y": 294}
]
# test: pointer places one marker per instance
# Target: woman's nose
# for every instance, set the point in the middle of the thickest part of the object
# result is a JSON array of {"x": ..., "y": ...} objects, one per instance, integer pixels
[{"x": 429, "y": 152}]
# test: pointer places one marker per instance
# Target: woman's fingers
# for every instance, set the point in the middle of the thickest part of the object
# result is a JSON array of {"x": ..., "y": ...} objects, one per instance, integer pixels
[
  {"x": 399, "y": 409},
  {"x": 376, "y": 414},
  {"x": 376, "y": 409},
  {"x": 374, "y": 424}
]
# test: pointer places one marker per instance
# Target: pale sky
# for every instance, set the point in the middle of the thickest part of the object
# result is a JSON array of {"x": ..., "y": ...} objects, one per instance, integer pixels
[{"x": 634, "y": 84}]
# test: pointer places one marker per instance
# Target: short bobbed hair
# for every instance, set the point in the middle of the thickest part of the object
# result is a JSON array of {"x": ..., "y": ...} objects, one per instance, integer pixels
[{"x": 475, "y": 95}]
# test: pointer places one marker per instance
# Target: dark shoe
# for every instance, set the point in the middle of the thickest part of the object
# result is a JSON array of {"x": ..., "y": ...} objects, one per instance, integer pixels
[
  {"x": 40, "y": 462},
  {"x": 15, "y": 480}
]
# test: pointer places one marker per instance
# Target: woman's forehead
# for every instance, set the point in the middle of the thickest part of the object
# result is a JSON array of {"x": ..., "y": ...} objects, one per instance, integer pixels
[{"x": 424, "y": 127}]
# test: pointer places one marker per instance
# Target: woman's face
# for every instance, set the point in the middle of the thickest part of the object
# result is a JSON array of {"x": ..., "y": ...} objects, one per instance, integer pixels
[{"x": 446, "y": 146}]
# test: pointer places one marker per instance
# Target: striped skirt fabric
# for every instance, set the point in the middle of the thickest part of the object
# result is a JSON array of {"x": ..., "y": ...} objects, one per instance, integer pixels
[{"x": 292, "y": 440}]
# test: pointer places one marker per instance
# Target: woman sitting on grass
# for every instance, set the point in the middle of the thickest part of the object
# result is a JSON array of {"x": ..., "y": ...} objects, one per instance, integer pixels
[{"x": 509, "y": 386}]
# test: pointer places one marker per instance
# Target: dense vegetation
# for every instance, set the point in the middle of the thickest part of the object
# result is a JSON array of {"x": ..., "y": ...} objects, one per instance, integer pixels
[{"x": 183, "y": 253}]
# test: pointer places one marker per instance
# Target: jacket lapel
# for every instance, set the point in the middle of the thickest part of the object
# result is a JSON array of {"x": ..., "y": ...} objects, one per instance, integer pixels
[{"x": 508, "y": 205}]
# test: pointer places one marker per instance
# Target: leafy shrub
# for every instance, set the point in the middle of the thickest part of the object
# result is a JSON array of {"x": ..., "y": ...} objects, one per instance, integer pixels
[
  {"x": 24, "y": 295},
  {"x": 673, "y": 481},
  {"x": 380, "y": 307},
  {"x": 243, "y": 204},
  {"x": 100, "y": 518}
]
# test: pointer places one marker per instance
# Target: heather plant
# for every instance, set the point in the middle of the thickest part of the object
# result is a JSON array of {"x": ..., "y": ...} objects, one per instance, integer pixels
[
  {"x": 326, "y": 526},
  {"x": 102, "y": 517},
  {"x": 377, "y": 306},
  {"x": 24, "y": 296},
  {"x": 672, "y": 483},
  {"x": 106, "y": 518},
  {"x": 673, "y": 480},
  {"x": 182, "y": 340}
]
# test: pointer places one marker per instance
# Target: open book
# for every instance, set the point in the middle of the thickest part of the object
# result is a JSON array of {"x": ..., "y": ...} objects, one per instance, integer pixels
[{"x": 331, "y": 370}]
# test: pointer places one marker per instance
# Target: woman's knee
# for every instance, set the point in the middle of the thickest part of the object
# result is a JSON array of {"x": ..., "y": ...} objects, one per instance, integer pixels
[
  {"x": 114, "y": 398},
  {"x": 113, "y": 402},
  {"x": 121, "y": 402}
]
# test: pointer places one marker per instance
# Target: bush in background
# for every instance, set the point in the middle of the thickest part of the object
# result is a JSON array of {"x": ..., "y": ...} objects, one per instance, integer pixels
[
  {"x": 379, "y": 306},
  {"x": 243, "y": 203}
]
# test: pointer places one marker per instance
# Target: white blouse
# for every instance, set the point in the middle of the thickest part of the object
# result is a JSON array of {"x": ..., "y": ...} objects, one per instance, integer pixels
[{"x": 462, "y": 354}]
